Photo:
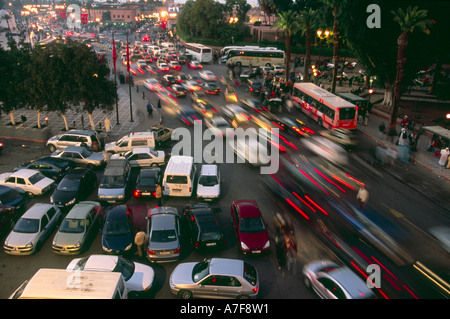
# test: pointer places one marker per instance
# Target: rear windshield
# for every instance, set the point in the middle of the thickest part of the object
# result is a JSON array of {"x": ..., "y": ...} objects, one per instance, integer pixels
[
  {"x": 176, "y": 179},
  {"x": 347, "y": 113},
  {"x": 35, "y": 178}
]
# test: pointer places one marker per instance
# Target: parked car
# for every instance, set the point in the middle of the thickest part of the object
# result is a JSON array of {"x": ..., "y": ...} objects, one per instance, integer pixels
[
  {"x": 161, "y": 133},
  {"x": 332, "y": 281},
  {"x": 12, "y": 206},
  {"x": 76, "y": 186},
  {"x": 208, "y": 185},
  {"x": 78, "y": 228},
  {"x": 51, "y": 167},
  {"x": 30, "y": 181},
  {"x": 250, "y": 227},
  {"x": 138, "y": 277},
  {"x": 215, "y": 278},
  {"x": 74, "y": 138},
  {"x": 32, "y": 229},
  {"x": 118, "y": 233},
  {"x": 204, "y": 228},
  {"x": 115, "y": 183},
  {"x": 207, "y": 75},
  {"x": 163, "y": 230},
  {"x": 146, "y": 182},
  {"x": 81, "y": 156},
  {"x": 143, "y": 157}
]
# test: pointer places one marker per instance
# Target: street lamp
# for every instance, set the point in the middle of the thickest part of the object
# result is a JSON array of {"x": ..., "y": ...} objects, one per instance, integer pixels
[{"x": 322, "y": 35}]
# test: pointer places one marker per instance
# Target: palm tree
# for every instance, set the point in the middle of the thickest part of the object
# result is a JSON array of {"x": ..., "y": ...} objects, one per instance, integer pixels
[
  {"x": 409, "y": 20},
  {"x": 268, "y": 7},
  {"x": 289, "y": 22},
  {"x": 307, "y": 19}
]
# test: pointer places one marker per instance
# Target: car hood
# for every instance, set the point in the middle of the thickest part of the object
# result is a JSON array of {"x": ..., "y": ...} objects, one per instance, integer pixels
[
  {"x": 118, "y": 242},
  {"x": 142, "y": 278},
  {"x": 182, "y": 274},
  {"x": 62, "y": 197},
  {"x": 208, "y": 190},
  {"x": 66, "y": 239},
  {"x": 254, "y": 240},
  {"x": 97, "y": 157},
  {"x": 20, "y": 239}
]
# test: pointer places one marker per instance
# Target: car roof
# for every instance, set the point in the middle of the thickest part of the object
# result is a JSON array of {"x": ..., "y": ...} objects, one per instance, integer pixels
[
  {"x": 26, "y": 173},
  {"x": 81, "y": 209},
  {"x": 116, "y": 212},
  {"x": 140, "y": 150},
  {"x": 106, "y": 262},
  {"x": 37, "y": 210},
  {"x": 78, "y": 149},
  {"x": 149, "y": 172},
  {"x": 225, "y": 266},
  {"x": 162, "y": 221},
  {"x": 353, "y": 284},
  {"x": 80, "y": 132},
  {"x": 209, "y": 169},
  {"x": 247, "y": 208}
]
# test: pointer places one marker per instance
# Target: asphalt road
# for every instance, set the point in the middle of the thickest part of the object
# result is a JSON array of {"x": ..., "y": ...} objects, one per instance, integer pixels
[{"x": 326, "y": 237}]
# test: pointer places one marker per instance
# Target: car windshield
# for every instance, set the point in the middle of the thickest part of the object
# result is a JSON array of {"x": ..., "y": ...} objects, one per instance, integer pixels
[
  {"x": 251, "y": 225},
  {"x": 36, "y": 178},
  {"x": 112, "y": 181},
  {"x": 72, "y": 225},
  {"x": 208, "y": 180},
  {"x": 250, "y": 274},
  {"x": 125, "y": 267},
  {"x": 163, "y": 236},
  {"x": 68, "y": 185},
  {"x": 116, "y": 227},
  {"x": 200, "y": 271},
  {"x": 85, "y": 153},
  {"x": 27, "y": 225},
  {"x": 120, "y": 141}
]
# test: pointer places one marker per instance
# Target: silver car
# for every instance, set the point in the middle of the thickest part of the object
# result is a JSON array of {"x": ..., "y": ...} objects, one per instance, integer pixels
[
  {"x": 332, "y": 281},
  {"x": 215, "y": 278},
  {"x": 163, "y": 230},
  {"x": 81, "y": 156}
]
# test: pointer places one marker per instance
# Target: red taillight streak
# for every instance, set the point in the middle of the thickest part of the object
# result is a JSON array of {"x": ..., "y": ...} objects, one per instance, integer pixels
[
  {"x": 329, "y": 180},
  {"x": 365, "y": 276},
  {"x": 315, "y": 204},
  {"x": 340, "y": 180},
  {"x": 360, "y": 183},
  {"x": 137, "y": 194},
  {"x": 186, "y": 121},
  {"x": 297, "y": 209},
  {"x": 265, "y": 109},
  {"x": 306, "y": 175},
  {"x": 304, "y": 202},
  {"x": 278, "y": 126}
]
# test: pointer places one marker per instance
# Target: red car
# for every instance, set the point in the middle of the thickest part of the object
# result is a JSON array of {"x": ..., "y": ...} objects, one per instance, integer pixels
[{"x": 250, "y": 227}]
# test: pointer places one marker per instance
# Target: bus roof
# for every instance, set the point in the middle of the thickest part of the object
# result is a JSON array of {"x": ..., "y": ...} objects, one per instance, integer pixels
[
  {"x": 323, "y": 95},
  {"x": 198, "y": 45}
]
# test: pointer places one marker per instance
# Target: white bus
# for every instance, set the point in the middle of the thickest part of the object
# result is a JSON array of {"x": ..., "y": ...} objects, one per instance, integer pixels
[
  {"x": 255, "y": 57},
  {"x": 199, "y": 52}
]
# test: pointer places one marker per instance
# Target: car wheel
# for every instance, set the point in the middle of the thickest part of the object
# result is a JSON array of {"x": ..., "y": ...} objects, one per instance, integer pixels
[
  {"x": 185, "y": 294},
  {"x": 51, "y": 148}
]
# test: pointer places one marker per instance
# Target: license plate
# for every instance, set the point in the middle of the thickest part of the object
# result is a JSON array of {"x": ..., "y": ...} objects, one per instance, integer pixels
[
  {"x": 146, "y": 193},
  {"x": 256, "y": 251},
  {"x": 210, "y": 244},
  {"x": 176, "y": 190},
  {"x": 165, "y": 253}
]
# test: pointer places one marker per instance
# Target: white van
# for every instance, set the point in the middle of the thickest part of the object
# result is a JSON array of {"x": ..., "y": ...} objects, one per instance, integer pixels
[
  {"x": 130, "y": 141},
  {"x": 63, "y": 284},
  {"x": 168, "y": 45},
  {"x": 179, "y": 176}
]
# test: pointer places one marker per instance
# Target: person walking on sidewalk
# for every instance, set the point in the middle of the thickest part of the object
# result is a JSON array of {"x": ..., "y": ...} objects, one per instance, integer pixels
[
  {"x": 382, "y": 129},
  {"x": 149, "y": 109},
  {"x": 444, "y": 157},
  {"x": 362, "y": 197}
]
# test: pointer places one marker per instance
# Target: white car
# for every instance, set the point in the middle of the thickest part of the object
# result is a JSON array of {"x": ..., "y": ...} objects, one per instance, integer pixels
[
  {"x": 138, "y": 277},
  {"x": 195, "y": 65},
  {"x": 143, "y": 157},
  {"x": 207, "y": 75},
  {"x": 208, "y": 185},
  {"x": 32, "y": 182},
  {"x": 32, "y": 229},
  {"x": 276, "y": 69},
  {"x": 191, "y": 85},
  {"x": 152, "y": 84},
  {"x": 141, "y": 63},
  {"x": 218, "y": 125}
]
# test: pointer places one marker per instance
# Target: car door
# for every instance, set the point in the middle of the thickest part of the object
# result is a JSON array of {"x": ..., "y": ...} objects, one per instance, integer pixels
[
  {"x": 22, "y": 183},
  {"x": 145, "y": 159},
  {"x": 11, "y": 182},
  {"x": 134, "y": 160},
  {"x": 229, "y": 287},
  {"x": 208, "y": 287}
]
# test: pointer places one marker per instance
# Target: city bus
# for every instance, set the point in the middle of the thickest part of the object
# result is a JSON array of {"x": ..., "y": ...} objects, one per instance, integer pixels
[
  {"x": 255, "y": 57},
  {"x": 329, "y": 110},
  {"x": 199, "y": 52}
]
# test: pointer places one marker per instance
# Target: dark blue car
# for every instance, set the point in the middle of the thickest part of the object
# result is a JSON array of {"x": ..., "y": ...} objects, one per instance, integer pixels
[
  {"x": 118, "y": 233},
  {"x": 12, "y": 206}
]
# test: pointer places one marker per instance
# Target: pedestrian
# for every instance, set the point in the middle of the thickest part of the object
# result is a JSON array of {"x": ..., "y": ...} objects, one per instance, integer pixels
[
  {"x": 402, "y": 137},
  {"x": 382, "y": 129},
  {"x": 149, "y": 109},
  {"x": 366, "y": 118},
  {"x": 444, "y": 157},
  {"x": 141, "y": 240},
  {"x": 289, "y": 105},
  {"x": 159, "y": 105},
  {"x": 362, "y": 197},
  {"x": 159, "y": 195}
]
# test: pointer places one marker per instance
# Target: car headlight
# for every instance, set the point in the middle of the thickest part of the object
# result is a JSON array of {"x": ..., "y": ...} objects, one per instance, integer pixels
[
  {"x": 129, "y": 246},
  {"x": 77, "y": 245},
  {"x": 108, "y": 250},
  {"x": 51, "y": 200},
  {"x": 267, "y": 245},
  {"x": 244, "y": 246},
  {"x": 70, "y": 202}
]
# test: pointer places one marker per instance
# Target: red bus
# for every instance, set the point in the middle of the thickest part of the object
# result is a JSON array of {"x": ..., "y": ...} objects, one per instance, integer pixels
[{"x": 329, "y": 110}]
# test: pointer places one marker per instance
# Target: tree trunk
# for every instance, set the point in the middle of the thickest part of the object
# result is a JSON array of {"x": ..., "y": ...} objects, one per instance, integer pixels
[
  {"x": 91, "y": 120},
  {"x": 388, "y": 95},
  {"x": 335, "y": 50},
  {"x": 11, "y": 115},
  {"x": 39, "y": 119},
  {"x": 308, "y": 44},
  {"x": 288, "y": 57},
  {"x": 401, "y": 61},
  {"x": 65, "y": 121}
]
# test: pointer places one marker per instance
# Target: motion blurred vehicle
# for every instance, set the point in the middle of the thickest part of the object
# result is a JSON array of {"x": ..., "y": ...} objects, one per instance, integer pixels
[
  {"x": 187, "y": 114},
  {"x": 253, "y": 104},
  {"x": 118, "y": 233},
  {"x": 152, "y": 84},
  {"x": 78, "y": 228},
  {"x": 254, "y": 153},
  {"x": 76, "y": 186},
  {"x": 182, "y": 77},
  {"x": 343, "y": 137},
  {"x": 205, "y": 109},
  {"x": 175, "y": 65},
  {"x": 295, "y": 127},
  {"x": 146, "y": 182},
  {"x": 143, "y": 157},
  {"x": 250, "y": 227},
  {"x": 81, "y": 156},
  {"x": 204, "y": 228},
  {"x": 208, "y": 184},
  {"x": 1, "y": 147},
  {"x": 54, "y": 168},
  {"x": 177, "y": 90},
  {"x": 207, "y": 75},
  {"x": 210, "y": 88},
  {"x": 198, "y": 96},
  {"x": 31, "y": 182},
  {"x": 169, "y": 79},
  {"x": 191, "y": 85},
  {"x": 32, "y": 229},
  {"x": 236, "y": 114},
  {"x": 218, "y": 125},
  {"x": 163, "y": 67},
  {"x": 230, "y": 94},
  {"x": 194, "y": 65},
  {"x": 276, "y": 69},
  {"x": 331, "y": 281},
  {"x": 138, "y": 277},
  {"x": 141, "y": 63},
  {"x": 326, "y": 149},
  {"x": 164, "y": 232},
  {"x": 215, "y": 278},
  {"x": 254, "y": 87},
  {"x": 273, "y": 104}
]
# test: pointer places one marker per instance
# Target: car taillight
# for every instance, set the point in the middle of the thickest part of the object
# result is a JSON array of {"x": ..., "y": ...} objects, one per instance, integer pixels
[
  {"x": 137, "y": 194},
  {"x": 255, "y": 290},
  {"x": 151, "y": 252},
  {"x": 177, "y": 251},
  {"x": 196, "y": 244}
]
